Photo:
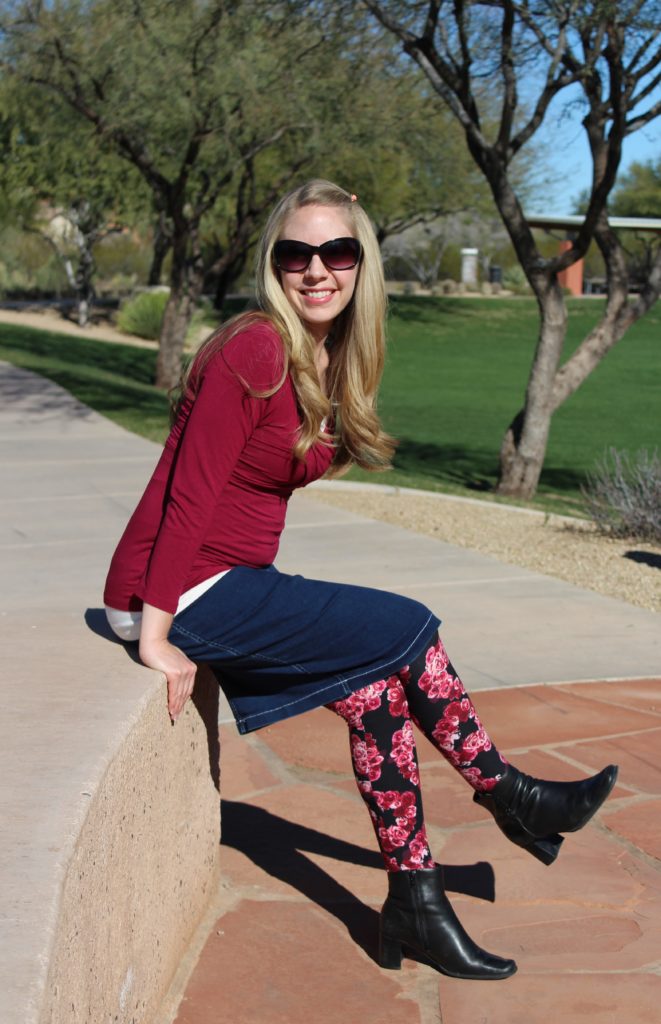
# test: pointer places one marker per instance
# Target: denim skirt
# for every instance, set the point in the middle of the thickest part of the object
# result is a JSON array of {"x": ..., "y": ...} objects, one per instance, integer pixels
[{"x": 280, "y": 645}]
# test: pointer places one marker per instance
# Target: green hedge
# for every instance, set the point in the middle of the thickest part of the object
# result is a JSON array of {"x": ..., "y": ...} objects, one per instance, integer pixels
[{"x": 143, "y": 315}]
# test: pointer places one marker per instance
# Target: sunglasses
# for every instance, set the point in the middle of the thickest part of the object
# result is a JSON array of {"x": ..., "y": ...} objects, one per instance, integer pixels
[{"x": 337, "y": 254}]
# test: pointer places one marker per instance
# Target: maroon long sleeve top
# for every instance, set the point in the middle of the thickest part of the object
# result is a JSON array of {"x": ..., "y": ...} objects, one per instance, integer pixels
[{"x": 219, "y": 493}]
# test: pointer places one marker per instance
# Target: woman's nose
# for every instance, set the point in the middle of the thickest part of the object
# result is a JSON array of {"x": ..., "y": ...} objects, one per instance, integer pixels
[{"x": 316, "y": 267}]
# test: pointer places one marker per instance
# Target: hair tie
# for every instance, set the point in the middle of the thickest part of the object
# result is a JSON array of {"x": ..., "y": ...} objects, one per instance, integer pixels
[{"x": 354, "y": 197}]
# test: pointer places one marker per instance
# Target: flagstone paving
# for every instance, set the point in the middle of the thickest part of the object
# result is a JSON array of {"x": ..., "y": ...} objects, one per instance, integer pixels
[{"x": 295, "y": 938}]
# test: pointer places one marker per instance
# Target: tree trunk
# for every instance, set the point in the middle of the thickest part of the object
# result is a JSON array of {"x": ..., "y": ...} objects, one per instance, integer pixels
[
  {"x": 177, "y": 316},
  {"x": 524, "y": 445},
  {"x": 161, "y": 247},
  {"x": 227, "y": 273},
  {"x": 84, "y": 279},
  {"x": 186, "y": 283}
]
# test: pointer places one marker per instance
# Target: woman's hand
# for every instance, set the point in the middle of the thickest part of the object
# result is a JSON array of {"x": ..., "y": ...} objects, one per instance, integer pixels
[{"x": 157, "y": 652}]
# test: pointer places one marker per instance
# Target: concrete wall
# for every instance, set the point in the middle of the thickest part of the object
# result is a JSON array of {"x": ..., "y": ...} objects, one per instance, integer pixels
[{"x": 142, "y": 870}]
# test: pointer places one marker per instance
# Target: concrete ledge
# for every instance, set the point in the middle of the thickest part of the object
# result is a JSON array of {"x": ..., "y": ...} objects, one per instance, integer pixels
[
  {"x": 110, "y": 815},
  {"x": 142, "y": 871},
  {"x": 112, "y": 854}
]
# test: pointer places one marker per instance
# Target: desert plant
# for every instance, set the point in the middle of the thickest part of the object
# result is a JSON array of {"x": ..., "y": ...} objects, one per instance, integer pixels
[
  {"x": 623, "y": 494},
  {"x": 514, "y": 280},
  {"x": 143, "y": 314}
]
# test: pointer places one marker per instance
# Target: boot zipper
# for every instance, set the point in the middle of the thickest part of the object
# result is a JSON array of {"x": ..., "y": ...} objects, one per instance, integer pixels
[{"x": 420, "y": 920}]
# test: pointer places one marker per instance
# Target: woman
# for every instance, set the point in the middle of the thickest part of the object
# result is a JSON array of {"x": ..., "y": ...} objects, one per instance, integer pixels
[{"x": 274, "y": 400}]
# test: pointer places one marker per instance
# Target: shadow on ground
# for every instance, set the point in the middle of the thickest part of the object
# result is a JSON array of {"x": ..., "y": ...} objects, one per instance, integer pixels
[
  {"x": 644, "y": 558},
  {"x": 476, "y": 469},
  {"x": 278, "y": 847}
]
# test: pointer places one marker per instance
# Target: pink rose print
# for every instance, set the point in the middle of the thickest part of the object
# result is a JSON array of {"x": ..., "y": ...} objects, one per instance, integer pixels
[
  {"x": 454, "y": 757},
  {"x": 436, "y": 659},
  {"x": 436, "y": 681},
  {"x": 393, "y": 838},
  {"x": 419, "y": 855},
  {"x": 397, "y": 701},
  {"x": 403, "y": 745},
  {"x": 404, "y": 802},
  {"x": 458, "y": 711},
  {"x": 473, "y": 744},
  {"x": 353, "y": 707},
  {"x": 366, "y": 756},
  {"x": 446, "y": 734},
  {"x": 474, "y": 777},
  {"x": 441, "y": 687},
  {"x": 390, "y": 800}
]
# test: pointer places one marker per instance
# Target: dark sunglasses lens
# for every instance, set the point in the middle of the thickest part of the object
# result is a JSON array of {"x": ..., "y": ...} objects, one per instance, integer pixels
[
  {"x": 292, "y": 257},
  {"x": 340, "y": 253}
]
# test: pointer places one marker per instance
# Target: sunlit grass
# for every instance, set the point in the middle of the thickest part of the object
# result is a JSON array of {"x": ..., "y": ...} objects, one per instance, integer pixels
[{"x": 456, "y": 374}]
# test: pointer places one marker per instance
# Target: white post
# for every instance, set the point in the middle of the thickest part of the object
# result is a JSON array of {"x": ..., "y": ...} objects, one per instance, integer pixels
[{"x": 469, "y": 267}]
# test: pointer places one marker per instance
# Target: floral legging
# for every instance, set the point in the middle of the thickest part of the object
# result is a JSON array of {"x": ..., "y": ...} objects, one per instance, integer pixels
[{"x": 429, "y": 693}]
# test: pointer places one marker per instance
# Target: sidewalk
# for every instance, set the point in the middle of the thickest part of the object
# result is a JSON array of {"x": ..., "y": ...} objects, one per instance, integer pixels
[{"x": 291, "y": 934}]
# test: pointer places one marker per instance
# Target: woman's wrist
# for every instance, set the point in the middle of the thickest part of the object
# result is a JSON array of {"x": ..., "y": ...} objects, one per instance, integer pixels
[
  {"x": 156, "y": 621},
  {"x": 154, "y": 629}
]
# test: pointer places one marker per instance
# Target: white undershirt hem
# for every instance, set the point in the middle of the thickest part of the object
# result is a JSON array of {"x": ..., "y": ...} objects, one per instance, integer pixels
[{"x": 126, "y": 625}]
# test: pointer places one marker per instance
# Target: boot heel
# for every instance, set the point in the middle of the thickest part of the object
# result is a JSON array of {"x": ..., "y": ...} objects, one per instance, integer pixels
[
  {"x": 390, "y": 953},
  {"x": 546, "y": 849}
]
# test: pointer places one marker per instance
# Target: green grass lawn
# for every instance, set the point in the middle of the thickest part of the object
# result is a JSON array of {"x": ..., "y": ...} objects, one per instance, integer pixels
[
  {"x": 113, "y": 379},
  {"x": 456, "y": 374}
]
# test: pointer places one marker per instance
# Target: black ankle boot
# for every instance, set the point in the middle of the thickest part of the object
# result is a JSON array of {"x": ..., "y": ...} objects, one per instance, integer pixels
[
  {"x": 532, "y": 812},
  {"x": 418, "y": 914}
]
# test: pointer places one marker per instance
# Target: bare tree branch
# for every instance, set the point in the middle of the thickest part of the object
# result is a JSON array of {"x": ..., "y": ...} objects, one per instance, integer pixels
[
  {"x": 642, "y": 119},
  {"x": 431, "y": 20},
  {"x": 510, "y": 97}
]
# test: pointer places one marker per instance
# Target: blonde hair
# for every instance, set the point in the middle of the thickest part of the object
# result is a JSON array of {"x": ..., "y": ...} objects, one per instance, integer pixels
[{"x": 357, "y": 349}]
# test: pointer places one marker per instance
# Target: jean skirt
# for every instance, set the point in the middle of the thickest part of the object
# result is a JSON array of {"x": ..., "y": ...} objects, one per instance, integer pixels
[{"x": 280, "y": 645}]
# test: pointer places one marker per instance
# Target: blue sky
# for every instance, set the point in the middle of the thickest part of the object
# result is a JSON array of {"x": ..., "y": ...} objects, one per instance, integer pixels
[{"x": 565, "y": 157}]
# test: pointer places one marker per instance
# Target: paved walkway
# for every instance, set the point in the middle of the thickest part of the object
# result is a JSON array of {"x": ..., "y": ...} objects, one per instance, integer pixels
[{"x": 291, "y": 936}]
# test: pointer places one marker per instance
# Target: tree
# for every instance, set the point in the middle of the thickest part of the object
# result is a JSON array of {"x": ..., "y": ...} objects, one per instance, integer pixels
[
  {"x": 218, "y": 106},
  {"x": 607, "y": 53},
  {"x": 80, "y": 191},
  {"x": 385, "y": 138},
  {"x": 638, "y": 192},
  {"x": 191, "y": 94},
  {"x": 414, "y": 167}
]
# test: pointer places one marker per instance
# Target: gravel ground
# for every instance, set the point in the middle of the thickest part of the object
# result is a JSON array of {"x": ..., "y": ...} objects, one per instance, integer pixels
[
  {"x": 100, "y": 329},
  {"x": 568, "y": 549}
]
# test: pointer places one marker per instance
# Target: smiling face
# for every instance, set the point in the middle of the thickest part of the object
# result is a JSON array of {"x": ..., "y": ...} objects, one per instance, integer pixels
[{"x": 317, "y": 294}]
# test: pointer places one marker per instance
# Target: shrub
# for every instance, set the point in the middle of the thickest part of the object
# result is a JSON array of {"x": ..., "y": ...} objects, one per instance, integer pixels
[
  {"x": 29, "y": 266},
  {"x": 122, "y": 254},
  {"x": 623, "y": 495},
  {"x": 515, "y": 281},
  {"x": 143, "y": 314}
]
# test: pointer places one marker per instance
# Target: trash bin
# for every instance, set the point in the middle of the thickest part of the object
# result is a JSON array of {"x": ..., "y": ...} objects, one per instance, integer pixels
[{"x": 495, "y": 275}]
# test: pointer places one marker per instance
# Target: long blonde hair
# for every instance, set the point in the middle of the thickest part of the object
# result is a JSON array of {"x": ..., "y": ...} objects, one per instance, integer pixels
[{"x": 357, "y": 349}]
